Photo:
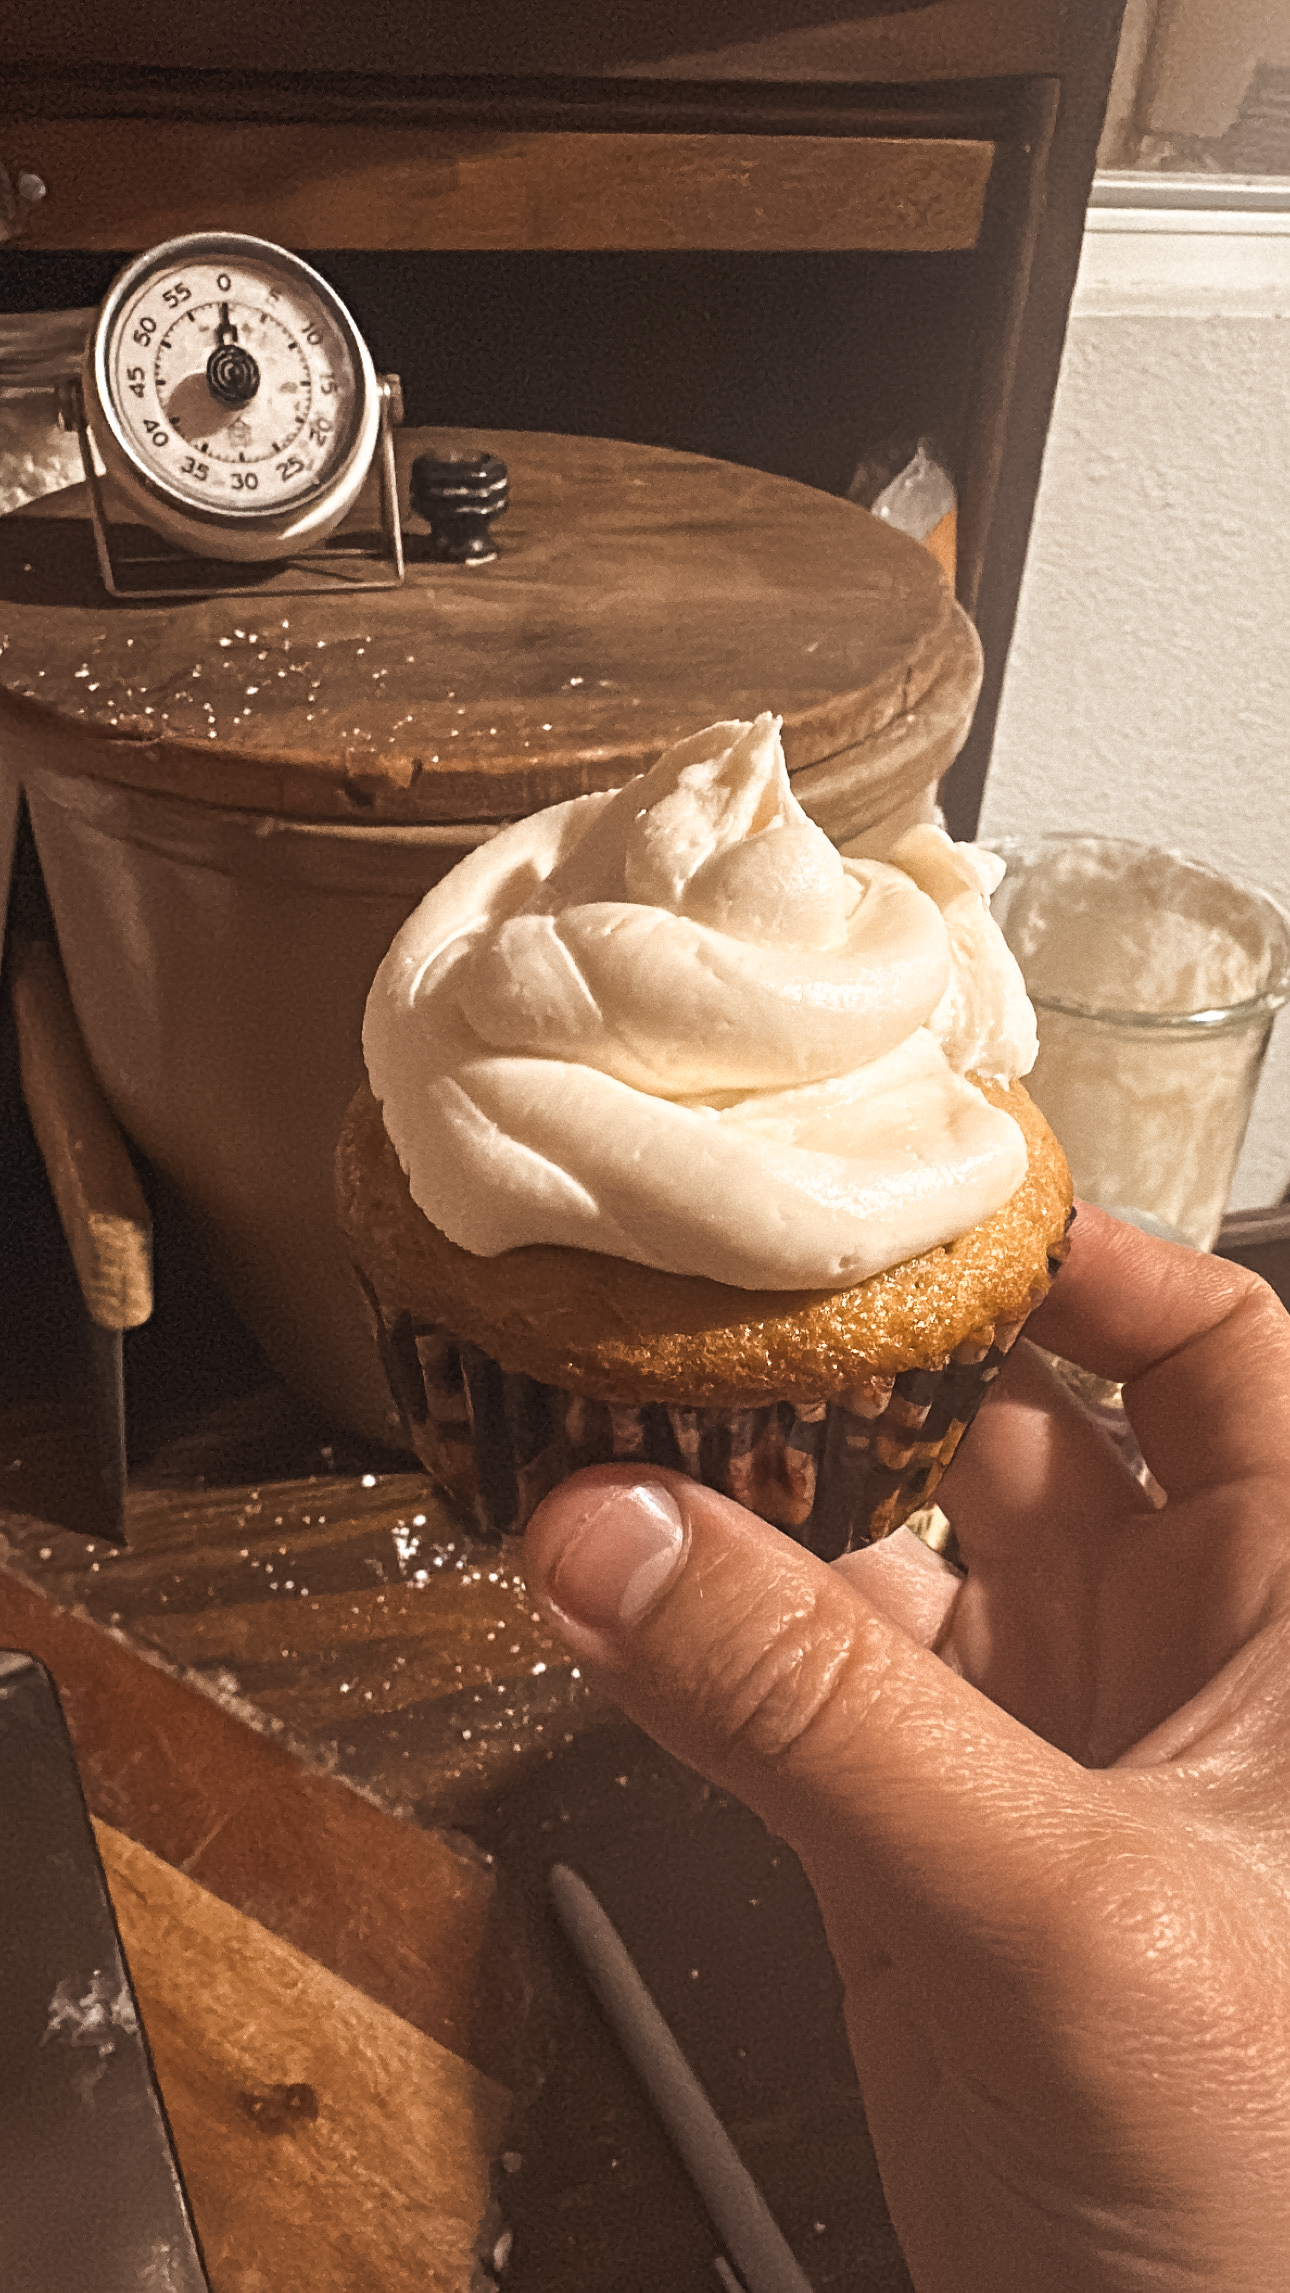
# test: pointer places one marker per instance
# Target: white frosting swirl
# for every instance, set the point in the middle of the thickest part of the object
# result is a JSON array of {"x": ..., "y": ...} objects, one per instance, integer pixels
[{"x": 675, "y": 1025}]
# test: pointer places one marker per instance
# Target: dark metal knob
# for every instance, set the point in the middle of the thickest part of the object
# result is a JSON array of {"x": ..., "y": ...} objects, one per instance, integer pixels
[
  {"x": 459, "y": 495},
  {"x": 232, "y": 375}
]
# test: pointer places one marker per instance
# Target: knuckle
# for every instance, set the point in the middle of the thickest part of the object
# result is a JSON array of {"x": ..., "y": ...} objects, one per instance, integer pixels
[{"x": 776, "y": 1692}]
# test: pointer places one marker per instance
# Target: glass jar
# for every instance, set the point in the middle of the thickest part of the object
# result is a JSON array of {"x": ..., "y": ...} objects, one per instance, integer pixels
[{"x": 1155, "y": 983}]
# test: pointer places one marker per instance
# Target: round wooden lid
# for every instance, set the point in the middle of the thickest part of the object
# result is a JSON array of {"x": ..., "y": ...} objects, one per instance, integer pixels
[{"x": 638, "y": 595}]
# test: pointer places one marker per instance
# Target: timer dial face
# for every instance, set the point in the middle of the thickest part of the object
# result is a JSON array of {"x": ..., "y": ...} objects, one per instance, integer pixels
[{"x": 234, "y": 386}]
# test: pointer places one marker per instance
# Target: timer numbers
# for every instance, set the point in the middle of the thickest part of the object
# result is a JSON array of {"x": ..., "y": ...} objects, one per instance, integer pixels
[{"x": 233, "y": 384}]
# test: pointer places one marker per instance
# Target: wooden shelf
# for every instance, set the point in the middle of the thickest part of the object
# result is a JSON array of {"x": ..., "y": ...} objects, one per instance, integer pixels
[{"x": 121, "y": 184}]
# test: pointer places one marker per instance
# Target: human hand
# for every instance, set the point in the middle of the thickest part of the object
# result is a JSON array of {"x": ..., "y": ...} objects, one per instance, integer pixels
[{"x": 1045, "y": 1809}]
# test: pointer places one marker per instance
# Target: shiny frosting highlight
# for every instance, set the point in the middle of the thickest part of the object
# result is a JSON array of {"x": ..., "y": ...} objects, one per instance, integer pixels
[{"x": 675, "y": 1025}]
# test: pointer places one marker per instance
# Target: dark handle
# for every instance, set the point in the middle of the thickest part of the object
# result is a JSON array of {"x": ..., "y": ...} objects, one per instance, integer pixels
[{"x": 459, "y": 495}]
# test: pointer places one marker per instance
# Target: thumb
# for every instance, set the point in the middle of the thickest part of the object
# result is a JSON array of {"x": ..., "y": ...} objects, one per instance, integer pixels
[{"x": 915, "y": 1804}]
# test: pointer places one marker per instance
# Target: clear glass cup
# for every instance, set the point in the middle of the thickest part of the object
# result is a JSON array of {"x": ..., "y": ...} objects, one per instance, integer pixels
[{"x": 1155, "y": 983}]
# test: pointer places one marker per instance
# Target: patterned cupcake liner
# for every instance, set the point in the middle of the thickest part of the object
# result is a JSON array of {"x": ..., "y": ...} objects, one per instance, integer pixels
[{"x": 835, "y": 1475}]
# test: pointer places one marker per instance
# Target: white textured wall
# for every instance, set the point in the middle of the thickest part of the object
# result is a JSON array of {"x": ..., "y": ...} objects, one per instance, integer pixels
[{"x": 1148, "y": 689}]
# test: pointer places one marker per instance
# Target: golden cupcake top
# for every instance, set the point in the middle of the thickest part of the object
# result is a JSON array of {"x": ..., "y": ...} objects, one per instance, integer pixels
[{"x": 623, "y": 1333}]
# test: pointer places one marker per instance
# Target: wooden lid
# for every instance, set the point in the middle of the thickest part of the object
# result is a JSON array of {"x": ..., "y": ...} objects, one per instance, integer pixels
[{"x": 639, "y": 594}]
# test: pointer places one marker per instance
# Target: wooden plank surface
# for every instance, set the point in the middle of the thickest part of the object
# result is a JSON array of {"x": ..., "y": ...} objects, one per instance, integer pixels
[
  {"x": 359, "y": 1615},
  {"x": 122, "y": 184},
  {"x": 340, "y": 1623},
  {"x": 324, "y": 2141},
  {"x": 193, "y": 1772}
]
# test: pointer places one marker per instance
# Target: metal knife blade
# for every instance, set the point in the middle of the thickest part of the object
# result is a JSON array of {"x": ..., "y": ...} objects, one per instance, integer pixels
[{"x": 90, "y": 2188}]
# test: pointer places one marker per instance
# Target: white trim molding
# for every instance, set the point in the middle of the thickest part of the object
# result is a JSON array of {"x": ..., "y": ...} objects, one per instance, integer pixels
[{"x": 1188, "y": 245}]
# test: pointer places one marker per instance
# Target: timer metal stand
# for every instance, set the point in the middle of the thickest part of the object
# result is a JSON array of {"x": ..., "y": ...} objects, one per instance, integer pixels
[{"x": 311, "y": 564}]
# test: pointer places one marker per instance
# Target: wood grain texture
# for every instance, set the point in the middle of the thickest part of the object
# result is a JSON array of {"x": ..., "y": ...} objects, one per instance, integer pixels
[
  {"x": 232, "y": 1519},
  {"x": 639, "y": 594},
  {"x": 324, "y": 2141},
  {"x": 359, "y": 1618},
  {"x": 192, "y": 1771},
  {"x": 100, "y": 1202},
  {"x": 126, "y": 184}
]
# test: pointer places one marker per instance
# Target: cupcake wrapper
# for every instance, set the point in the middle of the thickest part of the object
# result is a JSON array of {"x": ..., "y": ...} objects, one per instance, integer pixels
[{"x": 835, "y": 1475}]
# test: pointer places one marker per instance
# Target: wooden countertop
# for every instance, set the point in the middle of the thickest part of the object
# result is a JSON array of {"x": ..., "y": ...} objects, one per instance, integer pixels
[{"x": 336, "y": 1714}]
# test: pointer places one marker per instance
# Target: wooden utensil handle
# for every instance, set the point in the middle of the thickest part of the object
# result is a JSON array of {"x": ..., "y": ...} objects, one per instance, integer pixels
[{"x": 99, "y": 1199}]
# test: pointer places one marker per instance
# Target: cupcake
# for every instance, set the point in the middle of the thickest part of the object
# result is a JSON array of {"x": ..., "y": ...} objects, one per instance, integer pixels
[{"x": 691, "y": 1140}]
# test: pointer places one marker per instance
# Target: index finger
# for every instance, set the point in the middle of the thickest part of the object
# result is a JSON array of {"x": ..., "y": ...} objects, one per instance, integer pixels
[{"x": 1201, "y": 1347}]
